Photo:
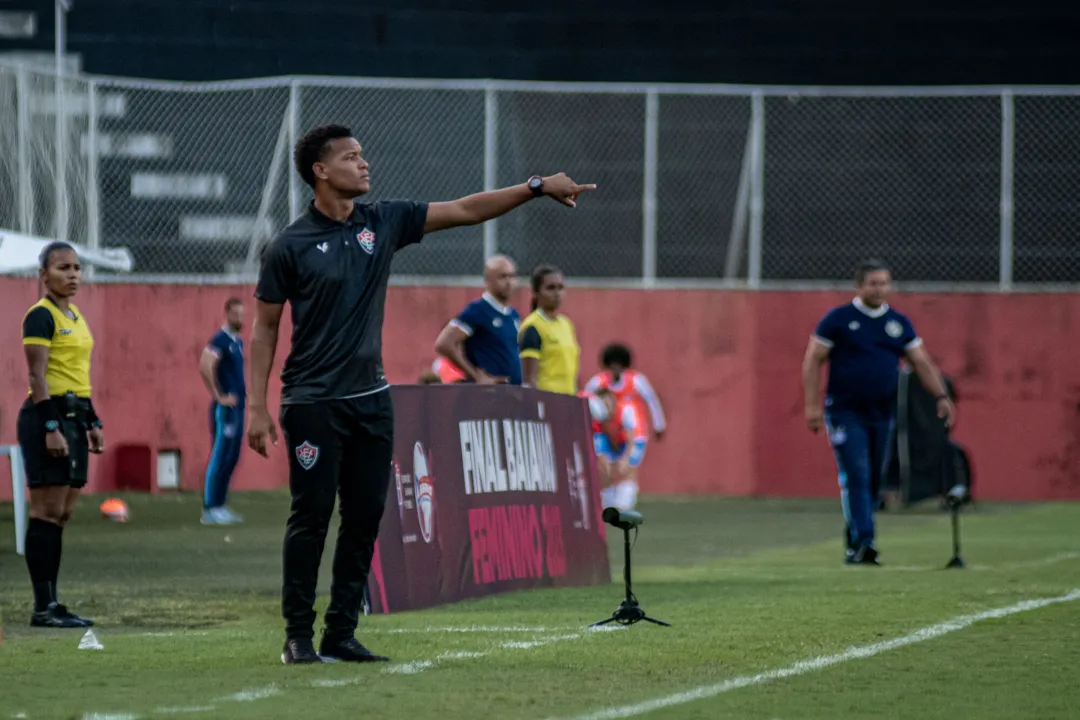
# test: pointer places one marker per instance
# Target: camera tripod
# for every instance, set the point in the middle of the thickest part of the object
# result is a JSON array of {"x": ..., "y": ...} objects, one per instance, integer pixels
[{"x": 628, "y": 612}]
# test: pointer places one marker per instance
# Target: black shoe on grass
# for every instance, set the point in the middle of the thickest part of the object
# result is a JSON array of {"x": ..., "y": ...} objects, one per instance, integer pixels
[
  {"x": 299, "y": 651},
  {"x": 346, "y": 649},
  {"x": 862, "y": 556},
  {"x": 58, "y": 616}
]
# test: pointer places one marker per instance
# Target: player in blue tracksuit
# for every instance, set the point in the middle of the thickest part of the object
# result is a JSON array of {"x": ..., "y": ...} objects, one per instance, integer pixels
[
  {"x": 863, "y": 342},
  {"x": 222, "y": 370}
]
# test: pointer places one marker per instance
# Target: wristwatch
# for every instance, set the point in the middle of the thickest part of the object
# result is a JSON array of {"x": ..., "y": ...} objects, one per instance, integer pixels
[
  {"x": 536, "y": 184},
  {"x": 51, "y": 426}
]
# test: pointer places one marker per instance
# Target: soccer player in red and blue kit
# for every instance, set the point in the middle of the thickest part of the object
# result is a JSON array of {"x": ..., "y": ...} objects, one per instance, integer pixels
[{"x": 863, "y": 342}]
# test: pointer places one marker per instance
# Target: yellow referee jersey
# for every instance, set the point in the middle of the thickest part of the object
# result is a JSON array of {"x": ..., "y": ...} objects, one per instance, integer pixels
[
  {"x": 553, "y": 343},
  {"x": 69, "y": 342}
]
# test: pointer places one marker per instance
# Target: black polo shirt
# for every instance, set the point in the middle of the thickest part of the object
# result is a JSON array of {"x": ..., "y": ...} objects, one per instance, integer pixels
[{"x": 334, "y": 275}]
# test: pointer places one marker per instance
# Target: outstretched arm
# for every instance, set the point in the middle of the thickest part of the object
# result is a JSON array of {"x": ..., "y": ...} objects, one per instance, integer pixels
[{"x": 481, "y": 207}]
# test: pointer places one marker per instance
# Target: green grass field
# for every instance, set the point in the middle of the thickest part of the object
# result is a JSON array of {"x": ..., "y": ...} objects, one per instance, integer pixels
[{"x": 764, "y": 617}]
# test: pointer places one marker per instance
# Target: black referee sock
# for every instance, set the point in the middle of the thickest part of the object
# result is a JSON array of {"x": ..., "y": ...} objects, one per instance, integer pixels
[
  {"x": 58, "y": 551},
  {"x": 43, "y": 560}
]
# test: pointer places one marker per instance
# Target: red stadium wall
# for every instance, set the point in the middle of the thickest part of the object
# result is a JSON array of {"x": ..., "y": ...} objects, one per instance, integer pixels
[{"x": 726, "y": 365}]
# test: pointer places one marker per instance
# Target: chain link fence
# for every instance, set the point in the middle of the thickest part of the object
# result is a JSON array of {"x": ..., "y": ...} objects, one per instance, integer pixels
[
  {"x": 1047, "y": 199},
  {"x": 916, "y": 180},
  {"x": 699, "y": 184},
  {"x": 44, "y": 169}
]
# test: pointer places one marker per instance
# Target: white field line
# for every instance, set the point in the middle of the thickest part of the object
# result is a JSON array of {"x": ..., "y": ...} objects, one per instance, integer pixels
[
  {"x": 412, "y": 668},
  {"x": 821, "y": 662},
  {"x": 1052, "y": 560},
  {"x": 251, "y": 695},
  {"x": 469, "y": 629},
  {"x": 185, "y": 710},
  {"x": 418, "y": 666}
]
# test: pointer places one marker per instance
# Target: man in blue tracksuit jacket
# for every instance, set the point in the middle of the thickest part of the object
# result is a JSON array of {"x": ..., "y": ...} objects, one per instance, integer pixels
[
  {"x": 222, "y": 370},
  {"x": 863, "y": 342}
]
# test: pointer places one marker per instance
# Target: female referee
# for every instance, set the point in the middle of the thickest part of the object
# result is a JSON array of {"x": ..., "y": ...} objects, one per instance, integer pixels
[
  {"x": 550, "y": 353},
  {"x": 57, "y": 425}
]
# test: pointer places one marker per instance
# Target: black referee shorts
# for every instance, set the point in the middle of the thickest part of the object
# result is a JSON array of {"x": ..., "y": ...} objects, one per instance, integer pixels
[{"x": 42, "y": 469}]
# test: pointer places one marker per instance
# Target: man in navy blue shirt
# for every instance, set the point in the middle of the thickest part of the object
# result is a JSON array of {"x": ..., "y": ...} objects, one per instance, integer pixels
[
  {"x": 863, "y": 342},
  {"x": 483, "y": 339},
  {"x": 222, "y": 370}
]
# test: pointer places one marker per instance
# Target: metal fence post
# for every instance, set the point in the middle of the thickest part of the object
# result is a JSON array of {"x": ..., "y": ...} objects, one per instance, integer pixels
[
  {"x": 491, "y": 164},
  {"x": 757, "y": 189},
  {"x": 1008, "y": 146},
  {"x": 93, "y": 203},
  {"x": 60, "y": 206},
  {"x": 648, "y": 201},
  {"x": 294, "y": 135},
  {"x": 22, "y": 132}
]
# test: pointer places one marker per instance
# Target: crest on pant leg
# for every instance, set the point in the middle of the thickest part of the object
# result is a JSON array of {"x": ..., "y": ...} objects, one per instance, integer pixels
[
  {"x": 307, "y": 455},
  {"x": 838, "y": 435}
]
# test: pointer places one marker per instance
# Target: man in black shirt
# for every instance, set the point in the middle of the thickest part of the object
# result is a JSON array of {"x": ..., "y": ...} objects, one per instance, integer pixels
[{"x": 332, "y": 266}]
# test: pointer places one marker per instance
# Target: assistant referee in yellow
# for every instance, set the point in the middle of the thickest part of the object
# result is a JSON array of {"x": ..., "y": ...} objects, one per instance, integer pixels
[
  {"x": 57, "y": 425},
  {"x": 550, "y": 354}
]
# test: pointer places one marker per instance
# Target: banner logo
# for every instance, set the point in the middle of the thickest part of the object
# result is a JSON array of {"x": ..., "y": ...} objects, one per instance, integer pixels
[{"x": 425, "y": 493}]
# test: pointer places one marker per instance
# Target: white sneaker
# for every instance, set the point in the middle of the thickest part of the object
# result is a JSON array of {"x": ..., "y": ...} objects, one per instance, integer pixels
[
  {"x": 228, "y": 517},
  {"x": 220, "y": 516}
]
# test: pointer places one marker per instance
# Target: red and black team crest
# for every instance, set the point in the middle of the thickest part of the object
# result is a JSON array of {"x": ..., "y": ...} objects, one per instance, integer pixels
[
  {"x": 307, "y": 455},
  {"x": 366, "y": 240}
]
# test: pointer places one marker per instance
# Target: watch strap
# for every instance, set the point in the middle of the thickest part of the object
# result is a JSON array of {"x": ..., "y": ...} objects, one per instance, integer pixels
[{"x": 536, "y": 185}]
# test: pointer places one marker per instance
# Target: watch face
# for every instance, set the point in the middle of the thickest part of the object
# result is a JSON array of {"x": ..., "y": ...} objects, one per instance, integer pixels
[{"x": 535, "y": 182}]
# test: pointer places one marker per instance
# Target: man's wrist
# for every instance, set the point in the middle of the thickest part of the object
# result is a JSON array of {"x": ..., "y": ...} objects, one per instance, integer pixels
[{"x": 535, "y": 185}]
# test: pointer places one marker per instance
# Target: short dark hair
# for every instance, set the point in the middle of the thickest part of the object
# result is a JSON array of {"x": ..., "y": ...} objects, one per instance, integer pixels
[
  {"x": 537, "y": 279},
  {"x": 616, "y": 353},
  {"x": 55, "y": 246},
  {"x": 868, "y": 266},
  {"x": 231, "y": 302},
  {"x": 311, "y": 148}
]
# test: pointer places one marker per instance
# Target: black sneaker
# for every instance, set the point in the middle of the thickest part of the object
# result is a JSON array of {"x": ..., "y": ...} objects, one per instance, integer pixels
[
  {"x": 299, "y": 651},
  {"x": 862, "y": 556},
  {"x": 348, "y": 649},
  {"x": 58, "y": 616}
]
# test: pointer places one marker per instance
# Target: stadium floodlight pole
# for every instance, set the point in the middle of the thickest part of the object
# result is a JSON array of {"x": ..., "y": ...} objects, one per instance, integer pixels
[
  {"x": 628, "y": 612},
  {"x": 60, "y": 46}
]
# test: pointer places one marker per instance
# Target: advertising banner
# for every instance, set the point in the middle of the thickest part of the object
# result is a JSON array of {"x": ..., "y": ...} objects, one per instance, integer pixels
[{"x": 492, "y": 489}]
